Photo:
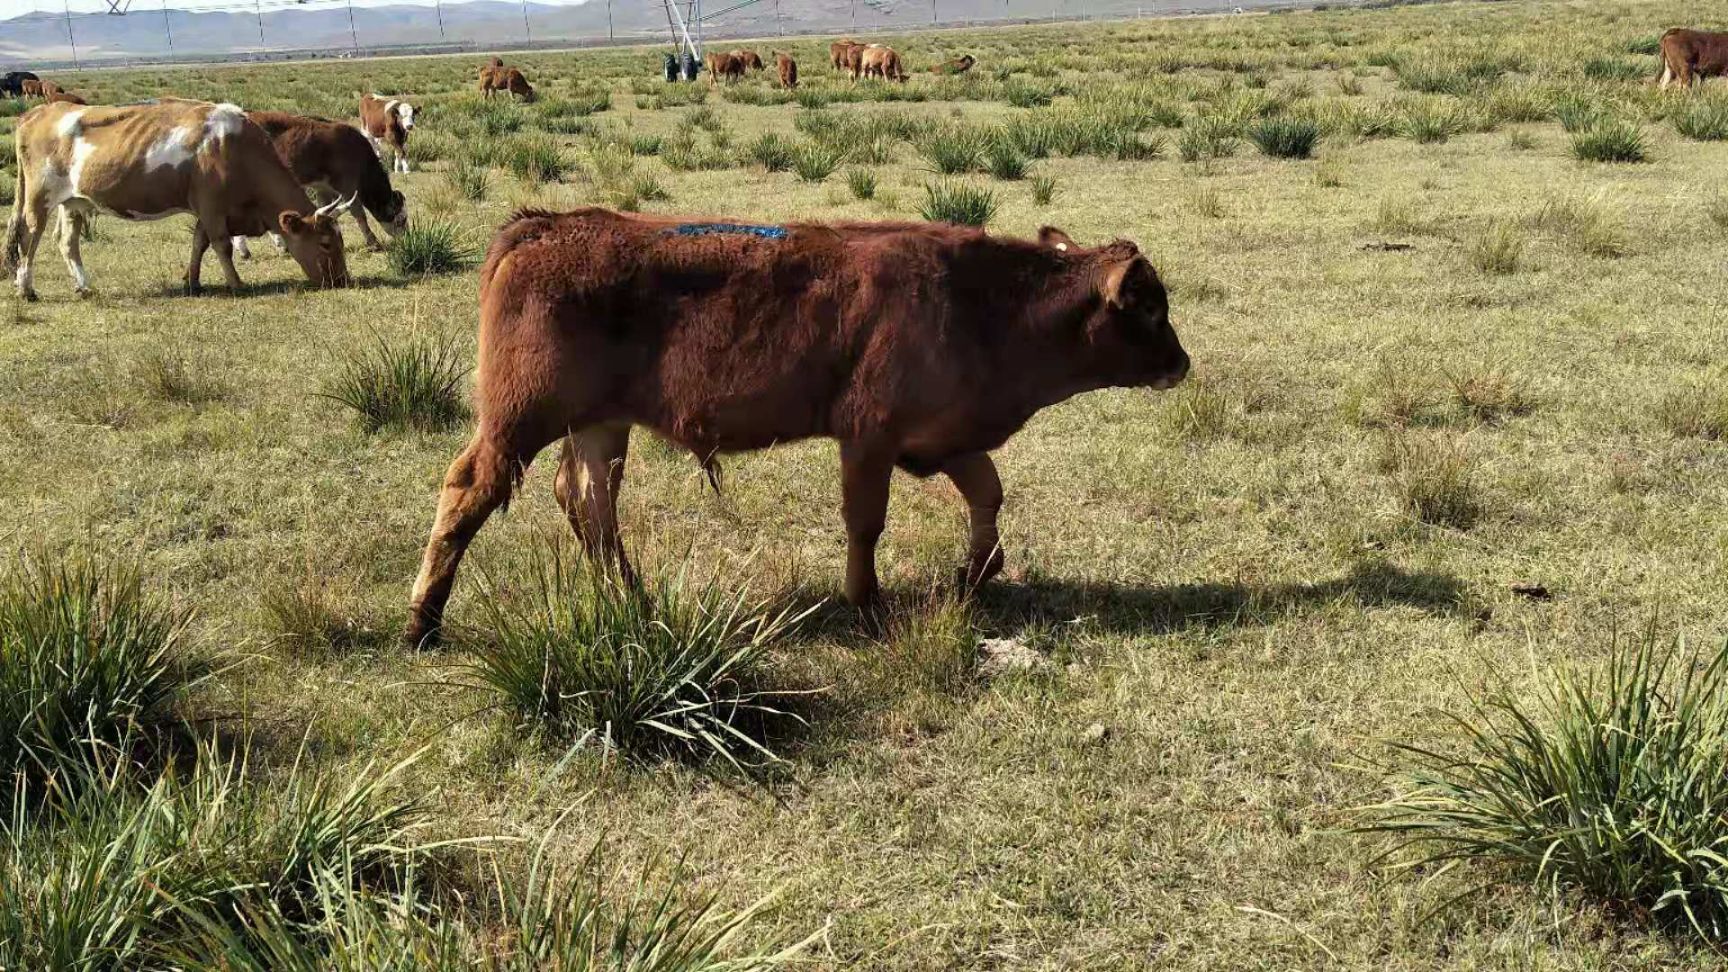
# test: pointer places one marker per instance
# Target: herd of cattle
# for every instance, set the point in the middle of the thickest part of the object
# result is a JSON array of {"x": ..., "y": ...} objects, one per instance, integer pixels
[{"x": 592, "y": 322}]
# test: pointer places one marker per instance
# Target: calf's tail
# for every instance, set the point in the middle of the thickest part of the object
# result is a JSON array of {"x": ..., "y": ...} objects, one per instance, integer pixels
[{"x": 15, "y": 230}]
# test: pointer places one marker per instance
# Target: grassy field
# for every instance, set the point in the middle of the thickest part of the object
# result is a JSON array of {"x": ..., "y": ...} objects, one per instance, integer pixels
[{"x": 1446, "y": 355}]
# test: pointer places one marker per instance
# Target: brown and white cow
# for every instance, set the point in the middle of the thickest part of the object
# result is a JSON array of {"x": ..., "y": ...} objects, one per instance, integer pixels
[
  {"x": 334, "y": 160},
  {"x": 921, "y": 346},
  {"x": 787, "y": 68},
  {"x": 157, "y": 159},
  {"x": 1687, "y": 56},
  {"x": 387, "y": 122}
]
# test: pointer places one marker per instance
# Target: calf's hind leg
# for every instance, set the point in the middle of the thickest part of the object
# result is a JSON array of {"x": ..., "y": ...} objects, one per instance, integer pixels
[
  {"x": 590, "y": 473},
  {"x": 975, "y": 477},
  {"x": 478, "y": 482}
]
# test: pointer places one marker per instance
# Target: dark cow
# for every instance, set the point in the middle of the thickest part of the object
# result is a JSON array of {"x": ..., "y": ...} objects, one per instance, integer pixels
[
  {"x": 1691, "y": 55},
  {"x": 959, "y": 65},
  {"x": 334, "y": 160},
  {"x": 13, "y": 83},
  {"x": 787, "y": 67},
  {"x": 921, "y": 346}
]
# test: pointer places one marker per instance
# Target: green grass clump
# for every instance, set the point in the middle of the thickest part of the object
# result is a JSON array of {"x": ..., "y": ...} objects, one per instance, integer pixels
[
  {"x": 1610, "y": 140},
  {"x": 1703, "y": 119},
  {"x": 1607, "y": 782},
  {"x": 89, "y": 660},
  {"x": 497, "y": 118},
  {"x": 1612, "y": 69},
  {"x": 772, "y": 151},
  {"x": 536, "y": 159},
  {"x": 814, "y": 161},
  {"x": 1432, "y": 120},
  {"x": 1043, "y": 189},
  {"x": 413, "y": 384},
  {"x": 1285, "y": 137},
  {"x": 429, "y": 246},
  {"x": 675, "y": 668},
  {"x": 953, "y": 151},
  {"x": 1004, "y": 161},
  {"x": 467, "y": 180},
  {"x": 1208, "y": 137},
  {"x": 862, "y": 183},
  {"x": 1695, "y": 412},
  {"x": 959, "y": 203}
]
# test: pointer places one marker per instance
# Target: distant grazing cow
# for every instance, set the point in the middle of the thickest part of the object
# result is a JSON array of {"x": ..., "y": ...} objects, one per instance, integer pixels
[
  {"x": 750, "y": 59},
  {"x": 1691, "y": 55},
  {"x": 788, "y": 69},
  {"x": 882, "y": 62},
  {"x": 30, "y": 88},
  {"x": 13, "y": 83},
  {"x": 156, "y": 159},
  {"x": 852, "y": 59},
  {"x": 959, "y": 65},
  {"x": 505, "y": 79},
  {"x": 724, "y": 66},
  {"x": 921, "y": 346},
  {"x": 837, "y": 52},
  {"x": 387, "y": 121},
  {"x": 67, "y": 97},
  {"x": 336, "y": 160}
]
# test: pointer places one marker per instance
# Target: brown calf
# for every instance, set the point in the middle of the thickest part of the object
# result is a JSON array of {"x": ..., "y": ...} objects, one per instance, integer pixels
[
  {"x": 67, "y": 97},
  {"x": 882, "y": 62},
  {"x": 505, "y": 79},
  {"x": 1691, "y": 55},
  {"x": 724, "y": 66},
  {"x": 959, "y": 65},
  {"x": 31, "y": 87},
  {"x": 387, "y": 121},
  {"x": 921, "y": 346},
  {"x": 787, "y": 67},
  {"x": 751, "y": 59},
  {"x": 333, "y": 159},
  {"x": 151, "y": 160}
]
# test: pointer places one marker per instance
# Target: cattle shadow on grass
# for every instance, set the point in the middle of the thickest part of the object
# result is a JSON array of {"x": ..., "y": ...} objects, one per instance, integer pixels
[
  {"x": 273, "y": 288},
  {"x": 1125, "y": 609}
]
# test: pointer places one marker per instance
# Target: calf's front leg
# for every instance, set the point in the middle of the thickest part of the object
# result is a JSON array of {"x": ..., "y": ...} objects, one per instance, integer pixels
[
  {"x": 974, "y": 475},
  {"x": 864, "y": 475}
]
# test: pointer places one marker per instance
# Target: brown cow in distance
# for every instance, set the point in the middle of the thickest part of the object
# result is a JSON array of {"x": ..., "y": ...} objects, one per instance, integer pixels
[
  {"x": 31, "y": 88},
  {"x": 724, "y": 66},
  {"x": 62, "y": 95},
  {"x": 837, "y": 52},
  {"x": 751, "y": 59},
  {"x": 959, "y": 65},
  {"x": 881, "y": 62},
  {"x": 850, "y": 58},
  {"x": 787, "y": 67},
  {"x": 494, "y": 79},
  {"x": 1691, "y": 55},
  {"x": 921, "y": 346}
]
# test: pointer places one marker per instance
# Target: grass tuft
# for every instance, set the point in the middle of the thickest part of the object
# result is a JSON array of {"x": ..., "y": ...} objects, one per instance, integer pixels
[
  {"x": 959, "y": 203},
  {"x": 429, "y": 246},
  {"x": 415, "y": 384},
  {"x": 676, "y": 668},
  {"x": 1284, "y": 137},
  {"x": 1433, "y": 478},
  {"x": 1499, "y": 249},
  {"x": 1610, "y": 139},
  {"x": 1608, "y": 782}
]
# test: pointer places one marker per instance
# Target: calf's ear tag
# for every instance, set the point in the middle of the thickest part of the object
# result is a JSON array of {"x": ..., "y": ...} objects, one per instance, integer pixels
[{"x": 1062, "y": 247}]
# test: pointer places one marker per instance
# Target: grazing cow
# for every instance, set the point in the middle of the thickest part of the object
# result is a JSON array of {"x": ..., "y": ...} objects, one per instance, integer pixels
[
  {"x": 959, "y": 65},
  {"x": 837, "y": 52},
  {"x": 333, "y": 159},
  {"x": 1691, "y": 55},
  {"x": 13, "y": 83},
  {"x": 156, "y": 159},
  {"x": 787, "y": 67},
  {"x": 387, "y": 121},
  {"x": 852, "y": 59},
  {"x": 750, "y": 59},
  {"x": 921, "y": 346},
  {"x": 62, "y": 95},
  {"x": 30, "y": 88},
  {"x": 505, "y": 79},
  {"x": 882, "y": 62},
  {"x": 724, "y": 65}
]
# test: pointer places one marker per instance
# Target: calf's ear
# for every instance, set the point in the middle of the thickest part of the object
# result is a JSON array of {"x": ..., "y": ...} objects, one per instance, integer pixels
[
  {"x": 293, "y": 224},
  {"x": 1054, "y": 238},
  {"x": 1122, "y": 281}
]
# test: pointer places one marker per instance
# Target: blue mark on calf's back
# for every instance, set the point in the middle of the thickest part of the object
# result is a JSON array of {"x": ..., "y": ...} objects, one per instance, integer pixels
[{"x": 710, "y": 229}]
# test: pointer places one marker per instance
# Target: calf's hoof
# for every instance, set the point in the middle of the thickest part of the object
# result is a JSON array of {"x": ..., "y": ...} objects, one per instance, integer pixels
[
  {"x": 422, "y": 633},
  {"x": 980, "y": 571}
]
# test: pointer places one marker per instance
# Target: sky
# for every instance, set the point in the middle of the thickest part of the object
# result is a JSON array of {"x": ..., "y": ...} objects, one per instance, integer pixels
[{"x": 14, "y": 8}]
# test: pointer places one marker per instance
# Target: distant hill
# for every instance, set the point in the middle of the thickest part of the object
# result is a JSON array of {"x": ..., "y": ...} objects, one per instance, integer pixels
[{"x": 38, "y": 38}]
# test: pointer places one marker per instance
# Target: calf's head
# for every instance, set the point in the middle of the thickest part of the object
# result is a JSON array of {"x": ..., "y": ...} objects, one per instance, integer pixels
[
  {"x": 1128, "y": 329},
  {"x": 394, "y": 213},
  {"x": 405, "y": 115},
  {"x": 316, "y": 243}
]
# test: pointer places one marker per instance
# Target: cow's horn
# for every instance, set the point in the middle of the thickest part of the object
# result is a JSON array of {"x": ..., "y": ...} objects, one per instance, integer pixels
[
  {"x": 326, "y": 209},
  {"x": 342, "y": 207}
]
